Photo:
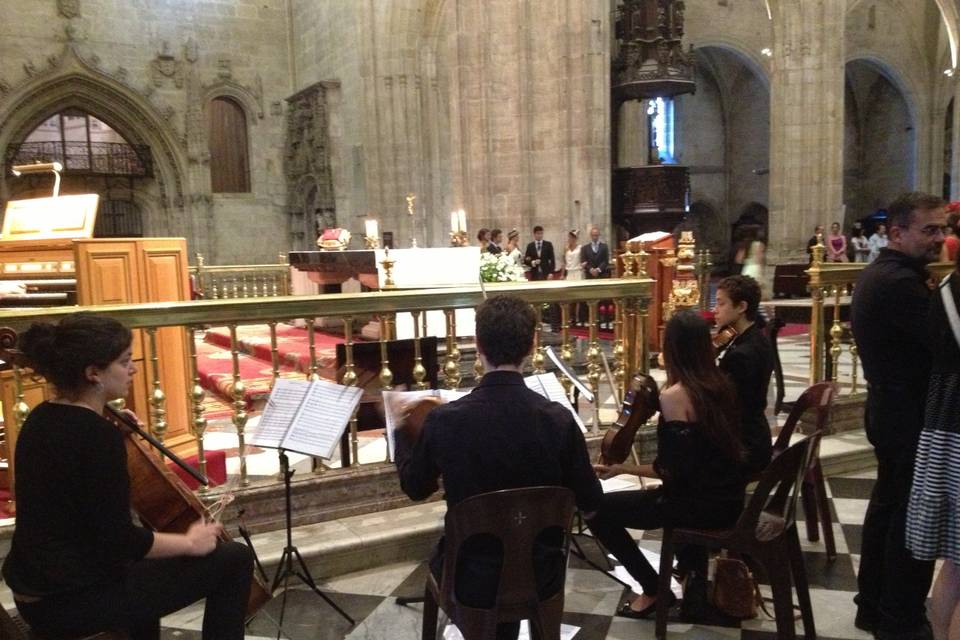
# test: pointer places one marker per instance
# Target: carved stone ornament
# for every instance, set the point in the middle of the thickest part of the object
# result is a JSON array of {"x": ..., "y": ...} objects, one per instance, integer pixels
[
  {"x": 307, "y": 157},
  {"x": 166, "y": 66},
  {"x": 68, "y": 8},
  {"x": 191, "y": 52}
]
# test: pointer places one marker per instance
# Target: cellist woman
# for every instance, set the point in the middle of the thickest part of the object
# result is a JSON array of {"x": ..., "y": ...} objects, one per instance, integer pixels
[
  {"x": 699, "y": 458},
  {"x": 78, "y": 564}
]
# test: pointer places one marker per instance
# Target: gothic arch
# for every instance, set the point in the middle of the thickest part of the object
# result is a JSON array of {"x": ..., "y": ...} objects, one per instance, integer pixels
[
  {"x": 951, "y": 20},
  {"x": 742, "y": 52},
  {"x": 70, "y": 81},
  {"x": 251, "y": 102}
]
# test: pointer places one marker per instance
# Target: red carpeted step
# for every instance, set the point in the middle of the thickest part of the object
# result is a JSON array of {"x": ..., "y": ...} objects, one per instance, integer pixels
[
  {"x": 293, "y": 345},
  {"x": 215, "y": 369}
]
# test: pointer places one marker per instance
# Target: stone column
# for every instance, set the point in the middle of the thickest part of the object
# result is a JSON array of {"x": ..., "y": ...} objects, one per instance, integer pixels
[{"x": 806, "y": 123}]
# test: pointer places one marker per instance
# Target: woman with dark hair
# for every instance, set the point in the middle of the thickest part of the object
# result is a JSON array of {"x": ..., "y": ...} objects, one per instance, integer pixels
[
  {"x": 836, "y": 244},
  {"x": 699, "y": 458},
  {"x": 78, "y": 565}
]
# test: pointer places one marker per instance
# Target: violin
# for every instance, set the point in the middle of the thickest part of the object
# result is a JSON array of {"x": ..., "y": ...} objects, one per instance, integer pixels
[
  {"x": 641, "y": 401},
  {"x": 414, "y": 413},
  {"x": 723, "y": 337}
]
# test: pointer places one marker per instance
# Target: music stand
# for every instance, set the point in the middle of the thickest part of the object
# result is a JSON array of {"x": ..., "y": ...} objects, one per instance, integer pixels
[{"x": 285, "y": 569}]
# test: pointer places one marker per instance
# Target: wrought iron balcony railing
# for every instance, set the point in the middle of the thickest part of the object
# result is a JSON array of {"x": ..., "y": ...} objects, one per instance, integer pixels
[{"x": 100, "y": 158}]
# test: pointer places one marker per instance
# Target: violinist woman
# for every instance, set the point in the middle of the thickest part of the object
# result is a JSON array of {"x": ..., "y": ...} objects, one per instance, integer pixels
[
  {"x": 78, "y": 565},
  {"x": 748, "y": 360},
  {"x": 699, "y": 459}
]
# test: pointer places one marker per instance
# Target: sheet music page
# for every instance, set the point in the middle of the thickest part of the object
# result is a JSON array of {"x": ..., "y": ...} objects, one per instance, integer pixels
[
  {"x": 323, "y": 417},
  {"x": 548, "y": 385},
  {"x": 562, "y": 366},
  {"x": 278, "y": 414},
  {"x": 393, "y": 405}
]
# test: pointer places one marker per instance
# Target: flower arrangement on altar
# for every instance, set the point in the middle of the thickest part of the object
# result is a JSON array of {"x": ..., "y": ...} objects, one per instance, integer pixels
[
  {"x": 499, "y": 268},
  {"x": 953, "y": 206}
]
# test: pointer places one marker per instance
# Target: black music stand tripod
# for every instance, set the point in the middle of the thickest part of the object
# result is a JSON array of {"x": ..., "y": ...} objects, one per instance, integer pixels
[{"x": 286, "y": 568}]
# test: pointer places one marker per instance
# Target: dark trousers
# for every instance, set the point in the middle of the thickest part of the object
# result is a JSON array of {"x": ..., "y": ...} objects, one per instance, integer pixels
[
  {"x": 891, "y": 581},
  {"x": 892, "y": 584},
  {"x": 651, "y": 509},
  {"x": 151, "y": 590}
]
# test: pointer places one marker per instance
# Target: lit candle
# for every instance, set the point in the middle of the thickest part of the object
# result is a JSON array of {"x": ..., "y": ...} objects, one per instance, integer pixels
[
  {"x": 454, "y": 222},
  {"x": 462, "y": 217},
  {"x": 372, "y": 228}
]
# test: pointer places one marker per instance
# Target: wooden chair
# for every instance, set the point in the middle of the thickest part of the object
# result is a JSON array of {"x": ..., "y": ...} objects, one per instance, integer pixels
[
  {"x": 13, "y": 627},
  {"x": 516, "y": 517},
  {"x": 818, "y": 397},
  {"x": 766, "y": 532}
]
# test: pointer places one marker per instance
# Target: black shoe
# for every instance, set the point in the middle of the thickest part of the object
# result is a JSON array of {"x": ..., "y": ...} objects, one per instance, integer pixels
[
  {"x": 866, "y": 619},
  {"x": 695, "y": 605},
  {"x": 920, "y": 632},
  {"x": 626, "y": 611}
]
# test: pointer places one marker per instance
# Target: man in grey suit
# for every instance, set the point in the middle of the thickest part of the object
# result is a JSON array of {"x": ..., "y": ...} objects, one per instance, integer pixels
[{"x": 595, "y": 257}]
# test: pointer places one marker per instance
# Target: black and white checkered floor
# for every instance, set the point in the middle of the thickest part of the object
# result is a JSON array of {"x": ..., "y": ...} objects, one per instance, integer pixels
[{"x": 591, "y": 597}]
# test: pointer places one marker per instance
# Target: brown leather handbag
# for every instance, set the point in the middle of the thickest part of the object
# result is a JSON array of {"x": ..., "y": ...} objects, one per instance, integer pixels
[{"x": 735, "y": 591}]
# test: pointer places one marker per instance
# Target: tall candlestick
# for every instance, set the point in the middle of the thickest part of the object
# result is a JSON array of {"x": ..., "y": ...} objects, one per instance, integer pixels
[
  {"x": 454, "y": 222},
  {"x": 372, "y": 228}
]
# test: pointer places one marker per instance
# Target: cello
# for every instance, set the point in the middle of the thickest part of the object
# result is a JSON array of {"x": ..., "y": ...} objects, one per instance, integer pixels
[
  {"x": 641, "y": 401},
  {"x": 159, "y": 497}
]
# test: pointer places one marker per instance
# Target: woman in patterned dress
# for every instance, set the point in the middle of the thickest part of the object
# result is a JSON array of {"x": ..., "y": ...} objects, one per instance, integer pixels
[{"x": 933, "y": 514}]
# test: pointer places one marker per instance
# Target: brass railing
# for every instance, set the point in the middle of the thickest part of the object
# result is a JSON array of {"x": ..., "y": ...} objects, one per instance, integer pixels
[
  {"x": 632, "y": 296},
  {"x": 831, "y": 285},
  {"x": 224, "y": 282}
]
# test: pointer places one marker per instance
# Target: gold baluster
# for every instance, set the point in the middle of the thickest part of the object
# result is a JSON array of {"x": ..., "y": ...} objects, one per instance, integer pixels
[
  {"x": 566, "y": 350},
  {"x": 386, "y": 375},
  {"x": 286, "y": 285},
  {"x": 619, "y": 349},
  {"x": 312, "y": 347},
  {"x": 198, "y": 426},
  {"x": 20, "y": 407},
  {"x": 350, "y": 379},
  {"x": 538, "y": 359},
  {"x": 200, "y": 284},
  {"x": 451, "y": 367},
  {"x": 239, "y": 403},
  {"x": 215, "y": 290},
  {"x": 836, "y": 333},
  {"x": 816, "y": 312},
  {"x": 274, "y": 351},
  {"x": 158, "y": 399},
  {"x": 419, "y": 371},
  {"x": 854, "y": 361},
  {"x": 244, "y": 288},
  {"x": 593, "y": 366},
  {"x": 642, "y": 363}
]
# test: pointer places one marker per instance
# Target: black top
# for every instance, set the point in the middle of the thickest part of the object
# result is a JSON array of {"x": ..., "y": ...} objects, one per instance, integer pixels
[
  {"x": 500, "y": 436},
  {"x": 74, "y": 528},
  {"x": 493, "y": 249},
  {"x": 695, "y": 473},
  {"x": 946, "y": 351},
  {"x": 547, "y": 261},
  {"x": 748, "y": 361},
  {"x": 889, "y": 311}
]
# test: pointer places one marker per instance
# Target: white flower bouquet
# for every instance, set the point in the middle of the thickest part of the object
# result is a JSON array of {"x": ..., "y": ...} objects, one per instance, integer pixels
[{"x": 499, "y": 268}]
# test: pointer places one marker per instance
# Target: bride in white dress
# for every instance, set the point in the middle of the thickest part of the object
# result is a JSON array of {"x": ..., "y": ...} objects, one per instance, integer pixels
[{"x": 571, "y": 257}]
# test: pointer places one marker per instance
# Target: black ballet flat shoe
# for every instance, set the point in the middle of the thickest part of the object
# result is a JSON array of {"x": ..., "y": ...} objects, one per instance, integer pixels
[{"x": 625, "y": 611}]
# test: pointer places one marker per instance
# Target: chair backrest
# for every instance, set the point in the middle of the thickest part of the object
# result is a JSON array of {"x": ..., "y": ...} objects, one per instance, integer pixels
[
  {"x": 771, "y": 330},
  {"x": 515, "y": 517},
  {"x": 773, "y": 506},
  {"x": 818, "y": 397}
]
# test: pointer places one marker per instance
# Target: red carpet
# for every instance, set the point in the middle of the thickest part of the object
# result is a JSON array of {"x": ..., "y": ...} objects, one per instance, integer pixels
[
  {"x": 5, "y": 504},
  {"x": 794, "y": 330},
  {"x": 584, "y": 332}
]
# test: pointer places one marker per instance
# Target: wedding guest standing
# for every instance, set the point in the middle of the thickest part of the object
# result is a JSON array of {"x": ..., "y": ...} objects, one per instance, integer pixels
[
  {"x": 860, "y": 244},
  {"x": 836, "y": 244},
  {"x": 571, "y": 257},
  {"x": 595, "y": 257},
  {"x": 539, "y": 256},
  {"x": 513, "y": 247},
  {"x": 877, "y": 241}
]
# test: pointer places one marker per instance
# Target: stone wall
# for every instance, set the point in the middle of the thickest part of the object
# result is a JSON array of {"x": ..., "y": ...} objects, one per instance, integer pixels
[{"x": 149, "y": 70}]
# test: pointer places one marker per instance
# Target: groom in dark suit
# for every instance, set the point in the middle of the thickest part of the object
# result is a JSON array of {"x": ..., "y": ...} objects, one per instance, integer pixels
[
  {"x": 539, "y": 256},
  {"x": 595, "y": 257}
]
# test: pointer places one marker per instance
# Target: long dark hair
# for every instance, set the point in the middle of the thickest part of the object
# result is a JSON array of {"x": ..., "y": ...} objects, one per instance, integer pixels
[
  {"x": 62, "y": 352},
  {"x": 689, "y": 357}
]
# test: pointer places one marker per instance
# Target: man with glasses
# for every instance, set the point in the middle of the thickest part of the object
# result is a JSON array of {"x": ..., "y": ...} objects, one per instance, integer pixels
[{"x": 888, "y": 317}]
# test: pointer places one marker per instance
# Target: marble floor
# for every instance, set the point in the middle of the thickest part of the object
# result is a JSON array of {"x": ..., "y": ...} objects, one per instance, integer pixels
[{"x": 591, "y": 597}]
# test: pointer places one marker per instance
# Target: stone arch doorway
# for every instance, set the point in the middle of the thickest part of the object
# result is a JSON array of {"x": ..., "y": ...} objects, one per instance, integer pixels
[
  {"x": 723, "y": 135},
  {"x": 71, "y": 84},
  {"x": 880, "y": 139}
]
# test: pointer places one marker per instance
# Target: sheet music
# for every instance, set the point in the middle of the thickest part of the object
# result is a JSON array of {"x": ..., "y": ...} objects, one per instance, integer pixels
[
  {"x": 306, "y": 417},
  {"x": 395, "y": 401},
  {"x": 322, "y": 418},
  {"x": 562, "y": 366},
  {"x": 549, "y": 386},
  {"x": 279, "y": 412}
]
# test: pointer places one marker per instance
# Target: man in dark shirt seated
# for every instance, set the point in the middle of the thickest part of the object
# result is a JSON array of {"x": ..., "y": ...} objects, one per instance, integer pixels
[
  {"x": 748, "y": 360},
  {"x": 888, "y": 317},
  {"x": 500, "y": 436}
]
